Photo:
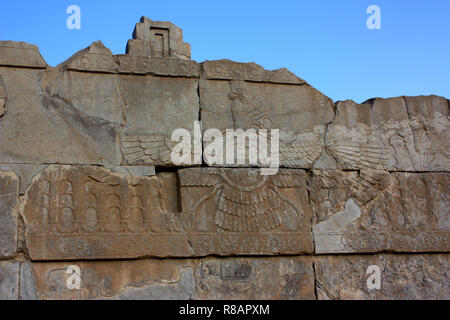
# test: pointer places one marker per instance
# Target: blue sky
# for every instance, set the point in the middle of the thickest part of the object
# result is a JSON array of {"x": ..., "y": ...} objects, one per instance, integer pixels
[{"x": 324, "y": 42}]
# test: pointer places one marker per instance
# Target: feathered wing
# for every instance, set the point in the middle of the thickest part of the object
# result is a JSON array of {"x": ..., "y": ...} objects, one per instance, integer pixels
[
  {"x": 247, "y": 211},
  {"x": 299, "y": 153},
  {"x": 364, "y": 156},
  {"x": 104, "y": 178},
  {"x": 148, "y": 149}
]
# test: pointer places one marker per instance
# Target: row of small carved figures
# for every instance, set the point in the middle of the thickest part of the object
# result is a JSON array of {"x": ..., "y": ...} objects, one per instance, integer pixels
[{"x": 65, "y": 222}]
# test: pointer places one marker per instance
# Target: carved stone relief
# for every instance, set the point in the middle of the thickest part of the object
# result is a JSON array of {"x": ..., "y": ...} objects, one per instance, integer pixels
[{"x": 84, "y": 212}]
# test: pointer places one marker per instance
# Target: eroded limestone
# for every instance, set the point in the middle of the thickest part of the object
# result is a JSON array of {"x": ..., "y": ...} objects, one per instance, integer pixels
[
  {"x": 374, "y": 211},
  {"x": 230, "y": 278},
  {"x": 43, "y": 125},
  {"x": 246, "y": 213},
  {"x": 20, "y": 54},
  {"x": 86, "y": 212},
  {"x": 395, "y": 134},
  {"x": 155, "y": 108},
  {"x": 9, "y": 200},
  {"x": 95, "y": 58},
  {"x": 299, "y": 112},
  {"x": 402, "y": 277}
]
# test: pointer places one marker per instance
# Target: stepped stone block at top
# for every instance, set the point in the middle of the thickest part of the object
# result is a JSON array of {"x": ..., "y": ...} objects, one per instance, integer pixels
[
  {"x": 158, "y": 39},
  {"x": 20, "y": 54}
]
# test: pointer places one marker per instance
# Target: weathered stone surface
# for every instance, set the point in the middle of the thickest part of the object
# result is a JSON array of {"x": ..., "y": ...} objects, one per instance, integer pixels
[
  {"x": 229, "y": 278},
  {"x": 25, "y": 172},
  {"x": 9, "y": 280},
  {"x": 231, "y": 70},
  {"x": 20, "y": 54},
  {"x": 98, "y": 96},
  {"x": 95, "y": 58},
  {"x": 16, "y": 281},
  {"x": 300, "y": 112},
  {"x": 138, "y": 171},
  {"x": 93, "y": 95},
  {"x": 98, "y": 58},
  {"x": 138, "y": 48},
  {"x": 169, "y": 198},
  {"x": 9, "y": 194},
  {"x": 43, "y": 126},
  {"x": 255, "y": 278},
  {"x": 402, "y": 277},
  {"x": 2, "y": 97},
  {"x": 138, "y": 279},
  {"x": 155, "y": 108},
  {"x": 239, "y": 211},
  {"x": 83, "y": 212},
  {"x": 396, "y": 134},
  {"x": 27, "y": 282},
  {"x": 374, "y": 211},
  {"x": 157, "y": 66},
  {"x": 158, "y": 39}
]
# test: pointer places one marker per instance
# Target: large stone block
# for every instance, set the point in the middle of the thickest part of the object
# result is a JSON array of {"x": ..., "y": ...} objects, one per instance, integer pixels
[
  {"x": 137, "y": 280},
  {"x": 20, "y": 54},
  {"x": 42, "y": 124},
  {"x": 299, "y": 112},
  {"x": 3, "y": 97},
  {"x": 27, "y": 282},
  {"x": 9, "y": 202},
  {"x": 98, "y": 59},
  {"x": 157, "y": 66},
  {"x": 95, "y": 58},
  {"x": 373, "y": 211},
  {"x": 239, "y": 211},
  {"x": 156, "y": 106},
  {"x": 158, "y": 39},
  {"x": 96, "y": 96},
  {"x": 396, "y": 134},
  {"x": 9, "y": 280},
  {"x": 255, "y": 278},
  {"x": 401, "y": 277},
  {"x": 231, "y": 70},
  {"x": 229, "y": 278},
  {"x": 25, "y": 172},
  {"x": 84, "y": 212},
  {"x": 16, "y": 281}
]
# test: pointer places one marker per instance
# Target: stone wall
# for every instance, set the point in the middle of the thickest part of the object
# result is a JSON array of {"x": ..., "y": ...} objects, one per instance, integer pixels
[{"x": 87, "y": 180}]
